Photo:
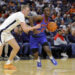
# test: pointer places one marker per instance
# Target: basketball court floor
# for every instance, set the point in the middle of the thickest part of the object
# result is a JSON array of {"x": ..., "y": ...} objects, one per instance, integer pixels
[{"x": 28, "y": 67}]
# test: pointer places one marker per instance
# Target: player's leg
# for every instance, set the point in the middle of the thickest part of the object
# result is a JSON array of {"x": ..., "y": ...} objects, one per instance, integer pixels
[
  {"x": 36, "y": 56},
  {"x": 15, "y": 47},
  {"x": 34, "y": 47},
  {"x": 46, "y": 47},
  {"x": 15, "y": 50},
  {"x": 1, "y": 46},
  {"x": 1, "y": 49},
  {"x": 48, "y": 51},
  {"x": 6, "y": 50},
  {"x": 35, "y": 53}
]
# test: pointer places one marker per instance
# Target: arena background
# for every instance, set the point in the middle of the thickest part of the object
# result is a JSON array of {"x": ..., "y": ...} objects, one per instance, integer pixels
[{"x": 61, "y": 11}]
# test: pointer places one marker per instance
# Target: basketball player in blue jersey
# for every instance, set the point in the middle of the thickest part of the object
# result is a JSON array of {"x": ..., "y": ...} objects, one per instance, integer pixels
[{"x": 39, "y": 36}]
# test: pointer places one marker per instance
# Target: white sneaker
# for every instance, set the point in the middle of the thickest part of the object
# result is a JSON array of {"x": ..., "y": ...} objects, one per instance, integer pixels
[{"x": 64, "y": 55}]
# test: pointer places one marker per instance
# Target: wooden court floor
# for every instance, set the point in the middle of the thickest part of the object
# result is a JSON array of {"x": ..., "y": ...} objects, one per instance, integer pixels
[{"x": 28, "y": 67}]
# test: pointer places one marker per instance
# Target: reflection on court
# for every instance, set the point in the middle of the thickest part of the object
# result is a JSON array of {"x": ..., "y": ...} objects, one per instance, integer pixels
[{"x": 28, "y": 67}]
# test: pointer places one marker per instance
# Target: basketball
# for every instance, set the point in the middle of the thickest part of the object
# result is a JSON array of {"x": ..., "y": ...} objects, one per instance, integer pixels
[{"x": 52, "y": 26}]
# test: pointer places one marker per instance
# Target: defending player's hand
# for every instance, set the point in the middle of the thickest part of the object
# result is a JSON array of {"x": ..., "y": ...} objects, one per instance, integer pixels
[
  {"x": 36, "y": 31},
  {"x": 37, "y": 26},
  {"x": 29, "y": 28}
]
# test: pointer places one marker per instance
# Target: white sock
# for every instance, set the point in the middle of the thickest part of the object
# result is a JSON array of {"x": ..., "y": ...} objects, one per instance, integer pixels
[
  {"x": 8, "y": 62},
  {"x": 51, "y": 57},
  {"x": 38, "y": 60}
]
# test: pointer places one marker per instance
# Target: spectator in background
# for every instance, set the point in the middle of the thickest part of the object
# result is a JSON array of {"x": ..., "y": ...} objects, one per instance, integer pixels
[
  {"x": 60, "y": 41},
  {"x": 71, "y": 38},
  {"x": 26, "y": 44},
  {"x": 22, "y": 1},
  {"x": 65, "y": 19},
  {"x": 2, "y": 18},
  {"x": 71, "y": 11},
  {"x": 33, "y": 12},
  {"x": 47, "y": 1},
  {"x": 68, "y": 5},
  {"x": 39, "y": 11},
  {"x": 73, "y": 19},
  {"x": 12, "y": 5},
  {"x": 40, "y": 4},
  {"x": 52, "y": 9},
  {"x": 36, "y": 3},
  {"x": 58, "y": 20},
  {"x": 54, "y": 14},
  {"x": 58, "y": 9},
  {"x": 59, "y": 2},
  {"x": 69, "y": 19},
  {"x": 16, "y": 34},
  {"x": 63, "y": 25},
  {"x": 2, "y": 2}
]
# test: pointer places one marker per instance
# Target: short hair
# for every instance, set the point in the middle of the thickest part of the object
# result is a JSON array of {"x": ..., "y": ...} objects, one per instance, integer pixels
[
  {"x": 24, "y": 6},
  {"x": 44, "y": 7}
]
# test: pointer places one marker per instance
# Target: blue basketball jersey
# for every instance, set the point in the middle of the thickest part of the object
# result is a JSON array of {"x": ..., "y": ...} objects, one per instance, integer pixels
[
  {"x": 40, "y": 38},
  {"x": 43, "y": 26}
]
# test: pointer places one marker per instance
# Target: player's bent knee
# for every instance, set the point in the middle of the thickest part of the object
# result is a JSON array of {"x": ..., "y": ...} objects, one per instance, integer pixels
[{"x": 17, "y": 48}]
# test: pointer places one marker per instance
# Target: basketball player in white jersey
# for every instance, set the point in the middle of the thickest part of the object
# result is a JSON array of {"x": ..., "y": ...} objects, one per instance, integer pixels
[{"x": 9, "y": 24}]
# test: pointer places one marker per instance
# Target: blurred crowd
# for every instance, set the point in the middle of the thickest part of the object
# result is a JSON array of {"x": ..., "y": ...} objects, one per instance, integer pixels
[{"x": 61, "y": 11}]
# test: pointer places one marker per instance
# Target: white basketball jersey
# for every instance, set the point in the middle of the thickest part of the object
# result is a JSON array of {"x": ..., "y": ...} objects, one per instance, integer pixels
[{"x": 12, "y": 21}]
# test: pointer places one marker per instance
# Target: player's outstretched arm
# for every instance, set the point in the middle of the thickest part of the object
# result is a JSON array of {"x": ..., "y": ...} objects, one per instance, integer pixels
[
  {"x": 33, "y": 19},
  {"x": 27, "y": 28}
]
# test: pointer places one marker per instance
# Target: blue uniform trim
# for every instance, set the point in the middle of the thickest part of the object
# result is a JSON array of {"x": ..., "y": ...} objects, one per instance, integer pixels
[{"x": 6, "y": 28}]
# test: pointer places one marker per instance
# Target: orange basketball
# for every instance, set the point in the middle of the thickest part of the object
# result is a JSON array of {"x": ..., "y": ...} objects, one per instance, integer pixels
[{"x": 52, "y": 26}]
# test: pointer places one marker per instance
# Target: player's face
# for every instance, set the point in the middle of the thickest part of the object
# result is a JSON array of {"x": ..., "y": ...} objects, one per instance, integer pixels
[
  {"x": 27, "y": 10},
  {"x": 47, "y": 12}
]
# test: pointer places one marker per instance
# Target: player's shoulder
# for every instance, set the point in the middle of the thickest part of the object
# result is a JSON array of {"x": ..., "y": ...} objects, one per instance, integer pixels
[{"x": 19, "y": 13}]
